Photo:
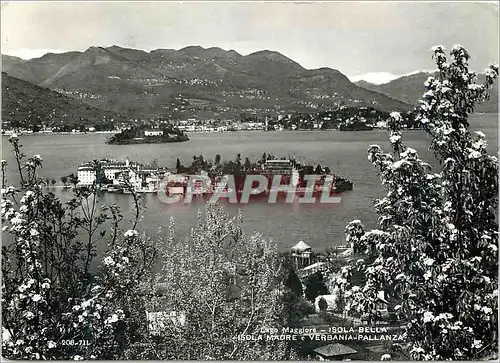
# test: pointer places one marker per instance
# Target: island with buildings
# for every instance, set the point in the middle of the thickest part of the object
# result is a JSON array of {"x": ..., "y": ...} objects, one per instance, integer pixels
[
  {"x": 143, "y": 135},
  {"x": 126, "y": 176}
]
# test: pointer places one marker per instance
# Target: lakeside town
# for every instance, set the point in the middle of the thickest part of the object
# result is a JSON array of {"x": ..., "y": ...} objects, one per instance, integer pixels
[{"x": 343, "y": 118}]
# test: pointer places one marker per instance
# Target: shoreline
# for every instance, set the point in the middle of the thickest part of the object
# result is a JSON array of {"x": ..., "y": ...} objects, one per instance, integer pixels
[{"x": 187, "y": 132}]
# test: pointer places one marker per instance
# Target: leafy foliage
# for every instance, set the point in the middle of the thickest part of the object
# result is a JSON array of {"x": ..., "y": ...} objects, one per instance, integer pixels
[{"x": 226, "y": 284}]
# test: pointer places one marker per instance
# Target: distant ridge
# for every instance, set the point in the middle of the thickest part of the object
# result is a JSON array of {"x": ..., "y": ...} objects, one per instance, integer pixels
[
  {"x": 213, "y": 82},
  {"x": 380, "y": 78},
  {"x": 410, "y": 88}
]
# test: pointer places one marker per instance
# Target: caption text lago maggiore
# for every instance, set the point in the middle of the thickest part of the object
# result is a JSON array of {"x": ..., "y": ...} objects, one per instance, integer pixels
[{"x": 331, "y": 333}]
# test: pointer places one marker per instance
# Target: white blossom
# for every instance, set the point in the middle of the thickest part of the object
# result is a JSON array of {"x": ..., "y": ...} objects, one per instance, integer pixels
[
  {"x": 16, "y": 220},
  {"x": 477, "y": 343},
  {"x": 417, "y": 350},
  {"x": 131, "y": 233},
  {"x": 96, "y": 288},
  {"x": 5, "y": 335},
  {"x": 112, "y": 319},
  {"x": 428, "y": 317},
  {"x": 428, "y": 261},
  {"x": 31, "y": 282},
  {"x": 474, "y": 87},
  {"x": 394, "y": 138},
  {"x": 438, "y": 48},
  {"x": 108, "y": 261},
  {"x": 488, "y": 72},
  {"x": 396, "y": 116},
  {"x": 487, "y": 310},
  {"x": 428, "y": 94},
  {"x": 474, "y": 154},
  {"x": 427, "y": 275},
  {"x": 410, "y": 152}
]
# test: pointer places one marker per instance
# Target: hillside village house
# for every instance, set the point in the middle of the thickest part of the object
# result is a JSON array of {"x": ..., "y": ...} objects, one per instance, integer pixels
[
  {"x": 153, "y": 132},
  {"x": 334, "y": 351},
  {"x": 312, "y": 269}
]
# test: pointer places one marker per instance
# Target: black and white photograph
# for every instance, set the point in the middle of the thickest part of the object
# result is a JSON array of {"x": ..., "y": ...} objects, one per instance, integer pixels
[{"x": 242, "y": 181}]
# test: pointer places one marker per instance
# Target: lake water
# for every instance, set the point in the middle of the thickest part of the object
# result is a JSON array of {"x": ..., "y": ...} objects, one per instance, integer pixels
[{"x": 319, "y": 226}]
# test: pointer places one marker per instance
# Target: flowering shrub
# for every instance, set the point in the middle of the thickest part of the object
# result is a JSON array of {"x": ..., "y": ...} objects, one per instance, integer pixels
[
  {"x": 55, "y": 305},
  {"x": 437, "y": 247}
]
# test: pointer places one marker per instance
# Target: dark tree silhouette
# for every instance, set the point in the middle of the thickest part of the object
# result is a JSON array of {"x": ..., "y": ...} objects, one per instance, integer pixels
[
  {"x": 322, "y": 304},
  {"x": 315, "y": 286},
  {"x": 293, "y": 282},
  {"x": 64, "y": 180},
  {"x": 248, "y": 164}
]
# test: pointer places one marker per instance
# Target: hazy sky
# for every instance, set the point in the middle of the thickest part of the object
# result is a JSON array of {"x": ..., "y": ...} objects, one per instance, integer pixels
[{"x": 355, "y": 38}]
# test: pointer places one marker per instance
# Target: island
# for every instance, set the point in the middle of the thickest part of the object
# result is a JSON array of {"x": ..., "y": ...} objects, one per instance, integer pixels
[{"x": 144, "y": 135}]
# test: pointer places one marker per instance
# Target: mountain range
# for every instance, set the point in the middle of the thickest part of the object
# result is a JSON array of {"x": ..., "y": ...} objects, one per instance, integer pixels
[
  {"x": 193, "y": 82},
  {"x": 410, "y": 88}
]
